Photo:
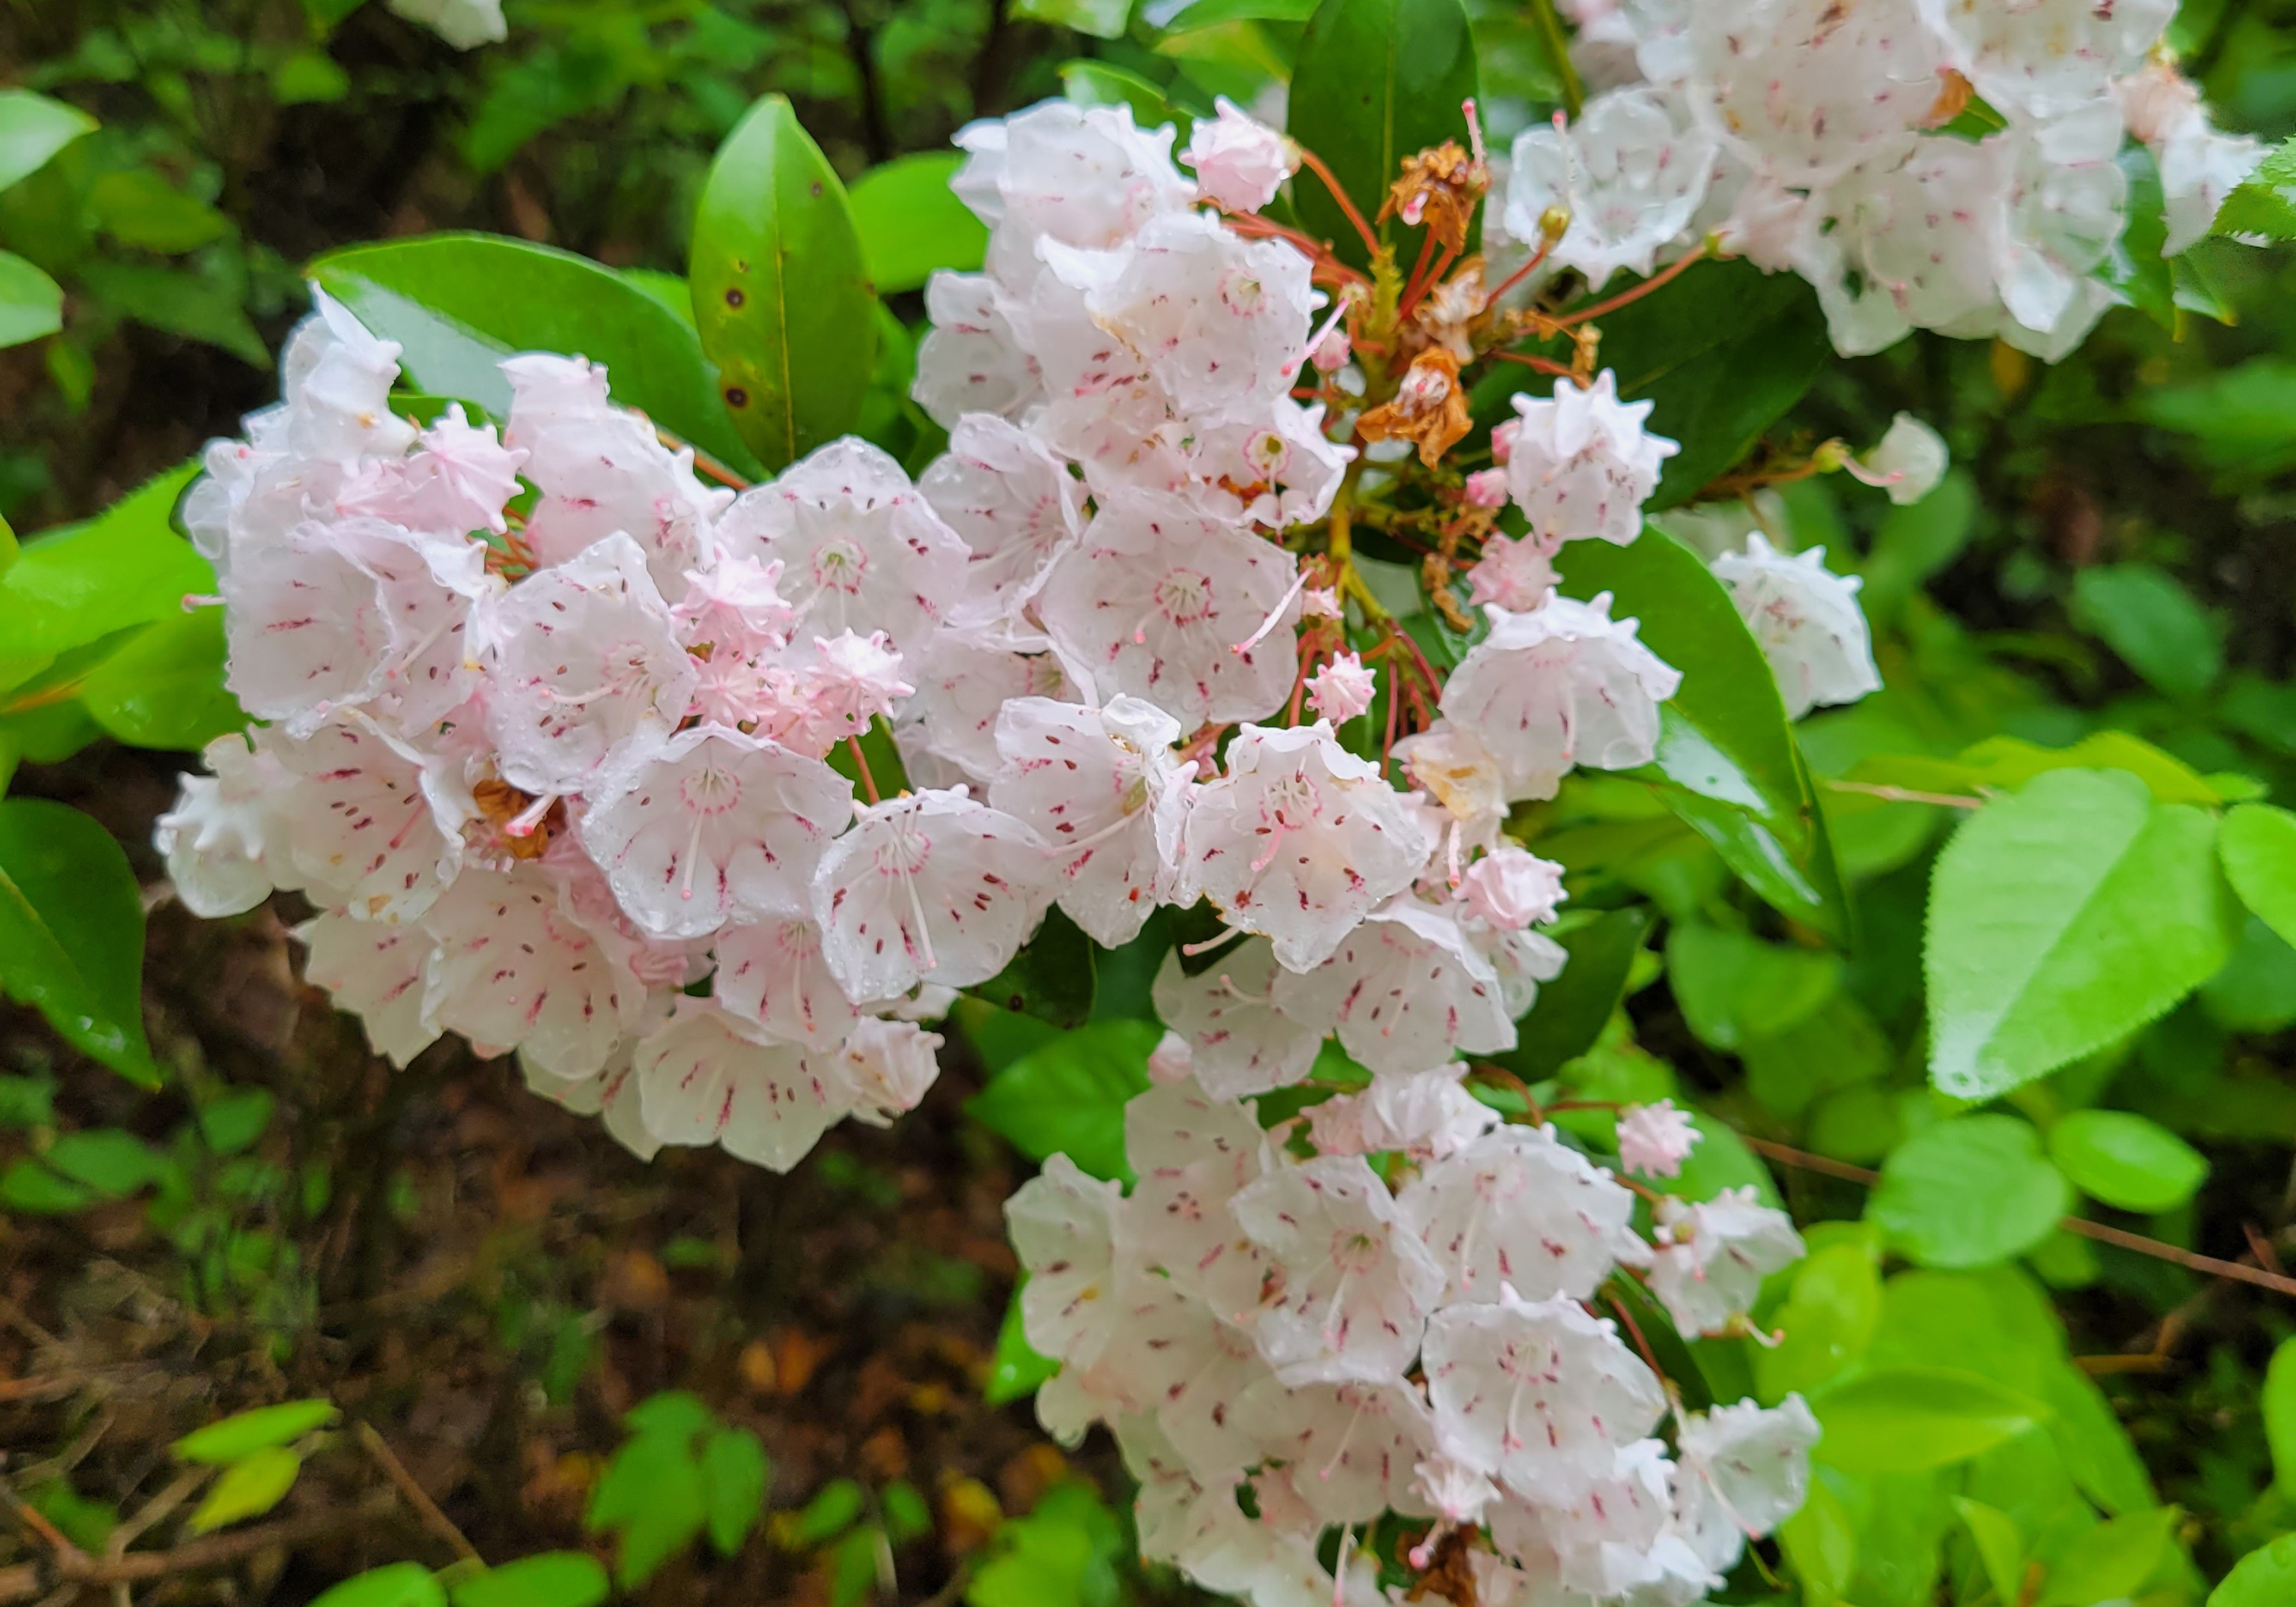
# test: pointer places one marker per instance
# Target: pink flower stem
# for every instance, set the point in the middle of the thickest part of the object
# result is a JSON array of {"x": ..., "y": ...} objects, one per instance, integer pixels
[{"x": 1340, "y": 194}]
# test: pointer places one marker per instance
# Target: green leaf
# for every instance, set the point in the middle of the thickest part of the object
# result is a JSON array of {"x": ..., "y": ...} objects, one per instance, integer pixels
[
  {"x": 233, "y": 1121},
  {"x": 2242, "y": 420},
  {"x": 1068, "y": 1098},
  {"x": 654, "y": 1493},
  {"x": 1726, "y": 758},
  {"x": 1917, "y": 543},
  {"x": 907, "y": 1515},
  {"x": 1061, "y": 1554},
  {"x": 138, "y": 208},
  {"x": 2000, "y": 1547},
  {"x": 31, "y": 303},
  {"x": 2005, "y": 763},
  {"x": 108, "y": 1161},
  {"x": 911, "y": 222},
  {"x": 248, "y": 1489},
  {"x": 853, "y": 1566},
  {"x": 2266, "y": 202},
  {"x": 393, "y": 1585},
  {"x": 2061, "y": 919},
  {"x": 197, "y": 305},
  {"x": 248, "y": 1433},
  {"x": 164, "y": 688},
  {"x": 1015, "y": 1371},
  {"x": 2127, "y": 1161},
  {"x": 780, "y": 291},
  {"x": 1089, "y": 82},
  {"x": 1733, "y": 987},
  {"x": 1051, "y": 978},
  {"x": 2112, "y": 1561},
  {"x": 2265, "y": 1578},
  {"x": 2097, "y": 1450},
  {"x": 2280, "y": 1414},
  {"x": 1100, "y": 19},
  {"x": 1969, "y": 1192},
  {"x": 32, "y": 129},
  {"x": 71, "y": 932},
  {"x": 1375, "y": 81},
  {"x": 555, "y": 1579},
  {"x": 1910, "y": 1420},
  {"x": 1821, "y": 1542},
  {"x": 1723, "y": 353},
  {"x": 458, "y": 304},
  {"x": 1826, "y": 1322},
  {"x": 1572, "y": 1010},
  {"x": 828, "y": 1514},
  {"x": 125, "y": 567},
  {"x": 2257, "y": 845},
  {"x": 28, "y": 1186},
  {"x": 733, "y": 1461},
  {"x": 2144, "y": 614},
  {"x": 674, "y": 1414}
]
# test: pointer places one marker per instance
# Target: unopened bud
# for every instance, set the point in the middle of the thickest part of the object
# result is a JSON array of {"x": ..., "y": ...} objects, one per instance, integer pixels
[{"x": 1554, "y": 223}]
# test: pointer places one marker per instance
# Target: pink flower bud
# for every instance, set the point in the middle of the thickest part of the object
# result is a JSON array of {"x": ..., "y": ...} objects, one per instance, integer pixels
[
  {"x": 1240, "y": 161},
  {"x": 1655, "y": 1140},
  {"x": 1343, "y": 689},
  {"x": 1487, "y": 489},
  {"x": 1511, "y": 888},
  {"x": 1331, "y": 354}
]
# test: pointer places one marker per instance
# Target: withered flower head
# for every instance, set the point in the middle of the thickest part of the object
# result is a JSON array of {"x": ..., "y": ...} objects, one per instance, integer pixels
[
  {"x": 507, "y": 809},
  {"x": 1429, "y": 409},
  {"x": 1441, "y": 187}
]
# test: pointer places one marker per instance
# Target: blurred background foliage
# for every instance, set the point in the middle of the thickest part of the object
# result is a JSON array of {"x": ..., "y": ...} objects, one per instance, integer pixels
[{"x": 2115, "y": 552}]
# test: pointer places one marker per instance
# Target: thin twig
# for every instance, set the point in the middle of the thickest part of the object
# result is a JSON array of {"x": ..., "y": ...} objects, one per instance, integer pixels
[
  {"x": 2120, "y": 1238},
  {"x": 436, "y": 1520},
  {"x": 33, "y": 1519},
  {"x": 27, "y": 1580},
  {"x": 1340, "y": 194},
  {"x": 1634, "y": 293},
  {"x": 1888, "y": 794},
  {"x": 159, "y": 1506}
]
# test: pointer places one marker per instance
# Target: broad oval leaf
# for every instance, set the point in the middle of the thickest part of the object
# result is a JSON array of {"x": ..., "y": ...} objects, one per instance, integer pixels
[
  {"x": 458, "y": 304},
  {"x": 1572, "y": 1010},
  {"x": 71, "y": 932},
  {"x": 2257, "y": 845},
  {"x": 31, "y": 303},
  {"x": 2265, "y": 1578},
  {"x": 33, "y": 128},
  {"x": 1052, "y": 977},
  {"x": 555, "y": 1579},
  {"x": 1733, "y": 987},
  {"x": 781, "y": 291},
  {"x": 2128, "y": 1161},
  {"x": 1969, "y": 1192},
  {"x": 249, "y": 1488},
  {"x": 911, "y": 222},
  {"x": 247, "y": 1432},
  {"x": 164, "y": 688},
  {"x": 1375, "y": 81},
  {"x": 1911, "y": 1420},
  {"x": 1727, "y": 757},
  {"x": 2061, "y": 919},
  {"x": 1068, "y": 1097},
  {"x": 1015, "y": 1371},
  {"x": 734, "y": 1462},
  {"x": 393, "y": 1585}
]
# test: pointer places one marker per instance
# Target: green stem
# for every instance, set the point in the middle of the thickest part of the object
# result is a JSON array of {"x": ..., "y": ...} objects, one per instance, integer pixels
[{"x": 1558, "y": 47}]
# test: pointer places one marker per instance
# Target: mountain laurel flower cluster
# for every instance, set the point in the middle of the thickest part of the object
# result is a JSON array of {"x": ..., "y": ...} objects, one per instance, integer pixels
[
  {"x": 1243, "y": 591},
  {"x": 1286, "y": 1339}
]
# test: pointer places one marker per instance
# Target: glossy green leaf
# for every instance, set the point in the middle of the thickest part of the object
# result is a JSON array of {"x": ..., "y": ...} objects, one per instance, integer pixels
[
  {"x": 1375, "y": 81},
  {"x": 1732, "y": 986},
  {"x": 1910, "y": 1420},
  {"x": 2265, "y": 1578},
  {"x": 911, "y": 222},
  {"x": 1726, "y": 758},
  {"x": 164, "y": 688},
  {"x": 247, "y": 1432},
  {"x": 458, "y": 304},
  {"x": 1051, "y": 978},
  {"x": 555, "y": 1579},
  {"x": 71, "y": 932},
  {"x": 2005, "y": 763},
  {"x": 393, "y": 1585},
  {"x": 1969, "y": 1192},
  {"x": 2257, "y": 845},
  {"x": 1722, "y": 353},
  {"x": 2061, "y": 919},
  {"x": 781, "y": 289},
  {"x": 2127, "y": 1161},
  {"x": 1100, "y": 19},
  {"x": 733, "y": 1461},
  {"x": 1571, "y": 1011},
  {"x": 31, "y": 303},
  {"x": 2264, "y": 204},
  {"x": 247, "y": 1488},
  {"x": 2146, "y": 614},
  {"x": 1015, "y": 1371},
  {"x": 2000, "y": 1547},
  {"x": 1087, "y": 81},
  {"x": 1068, "y": 1097},
  {"x": 33, "y": 128}
]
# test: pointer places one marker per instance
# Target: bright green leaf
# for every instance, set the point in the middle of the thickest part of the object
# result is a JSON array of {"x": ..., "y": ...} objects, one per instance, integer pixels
[
  {"x": 31, "y": 303},
  {"x": 1571, "y": 1011},
  {"x": 29, "y": 1187},
  {"x": 2061, "y": 920},
  {"x": 2264, "y": 204},
  {"x": 1821, "y": 1542},
  {"x": 1733, "y": 987},
  {"x": 555, "y": 1579},
  {"x": 2096, "y": 1447},
  {"x": 1015, "y": 1371},
  {"x": 194, "y": 304},
  {"x": 108, "y": 1161},
  {"x": 247, "y": 1432},
  {"x": 125, "y": 567},
  {"x": 1969, "y": 1192},
  {"x": 907, "y": 1515},
  {"x": 1100, "y": 19},
  {"x": 1375, "y": 81},
  {"x": 733, "y": 1461},
  {"x": 654, "y": 1493},
  {"x": 1087, "y": 81},
  {"x": 2000, "y": 1548},
  {"x": 2280, "y": 1412},
  {"x": 828, "y": 1514},
  {"x": 2257, "y": 845},
  {"x": 2145, "y": 615},
  {"x": 458, "y": 304},
  {"x": 138, "y": 208},
  {"x": 393, "y": 1585},
  {"x": 911, "y": 222},
  {"x": 233, "y": 1121},
  {"x": 71, "y": 932},
  {"x": 1068, "y": 1097},
  {"x": 781, "y": 289},
  {"x": 1909, "y": 1420},
  {"x": 248, "y": 1489},
  {"x": 2128, "y": 1161},
  {"x": 2265, "y": 1578},
  {"x": 2112, "y": 1561},
  {"x": 32, "y": 129},
  {"x": 164, "y": 688}
]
